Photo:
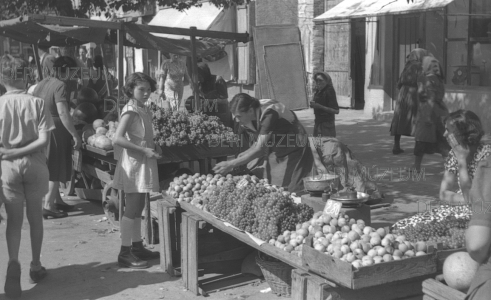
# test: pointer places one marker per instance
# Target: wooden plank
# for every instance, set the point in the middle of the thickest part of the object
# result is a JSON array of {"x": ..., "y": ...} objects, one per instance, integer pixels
[
  {"x": 440, "y": 291},
  {"x": 164, "y": 238},
  {"x": 97, "y": 173},
  {"x": 299, "y": 285},
  {"x": 184, "y": 249},
  {"x": 284, "y": 256},
  {"x": 237, "y": 253},
  {"x": 99, "y": 151},
  {"x": 192, "y": 266},
  {"x": 426, "y": 297},
  {"x": 315, "y": 289}
]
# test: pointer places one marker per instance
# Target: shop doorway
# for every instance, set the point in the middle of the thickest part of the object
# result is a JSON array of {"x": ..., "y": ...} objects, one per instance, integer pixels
[{"x": 358, "y": 55}]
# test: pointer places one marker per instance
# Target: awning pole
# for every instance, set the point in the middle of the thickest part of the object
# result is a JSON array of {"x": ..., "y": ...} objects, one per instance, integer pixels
[
  {"x": 105, "y": 71},
  {"x": 194, "y": 60},
  {"x": 120, "y": 68},
  {"x": 38, "y": 62}
]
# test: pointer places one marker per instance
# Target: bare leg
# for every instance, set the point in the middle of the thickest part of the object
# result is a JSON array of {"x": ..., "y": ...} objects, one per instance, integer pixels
[
  {"x": 15, "y": 217},
  {"x": 34, "y": 212},
  {"x": 58, "y": 199},
  {"x": 417, "y": 162},
  {"x": 49, "y": 199}
]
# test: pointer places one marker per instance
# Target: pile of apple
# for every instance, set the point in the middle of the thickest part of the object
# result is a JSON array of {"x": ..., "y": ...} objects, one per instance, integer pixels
[
  {"x": 350, "y": 240},
  {"x": 185, "y": 187}
]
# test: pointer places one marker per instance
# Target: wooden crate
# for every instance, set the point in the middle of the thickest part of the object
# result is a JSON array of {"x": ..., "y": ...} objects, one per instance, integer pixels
[
  {"x": 307, "y": 286},
  {"x": 346, "y": 275},
  {"x": 89, "y": 194},
  {"x": 169, "y": 218},
  {"x": 435, "y": 290},
  {"x": 98, "y": 150}
]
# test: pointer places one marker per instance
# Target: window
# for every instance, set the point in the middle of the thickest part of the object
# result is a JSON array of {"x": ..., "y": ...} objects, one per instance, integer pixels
[{"x": 468, "y": 43}]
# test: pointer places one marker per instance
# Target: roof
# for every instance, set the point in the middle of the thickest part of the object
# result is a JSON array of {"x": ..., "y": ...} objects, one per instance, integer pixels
[
  {"x": 30, "y": 29},
  {"x": 199, "y": 17},
  {"x": 369, "y": 8}
]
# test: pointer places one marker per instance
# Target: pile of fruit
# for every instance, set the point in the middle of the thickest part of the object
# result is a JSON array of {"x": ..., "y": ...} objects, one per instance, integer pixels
[
  {"x": 350, "y": 240},
  {"x": 445, "y": 224},
  {"x": 247, "y": 202},
  {"x": 99, "y": 135},
  {"x": 176, "y": 128}
]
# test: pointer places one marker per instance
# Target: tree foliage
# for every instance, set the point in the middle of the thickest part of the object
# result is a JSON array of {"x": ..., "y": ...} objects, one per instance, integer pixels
[{"x": 14, "y": 8}]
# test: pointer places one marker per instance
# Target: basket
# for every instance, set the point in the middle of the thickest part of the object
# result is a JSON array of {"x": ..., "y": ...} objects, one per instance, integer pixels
[{"x": 277, "y": 274}]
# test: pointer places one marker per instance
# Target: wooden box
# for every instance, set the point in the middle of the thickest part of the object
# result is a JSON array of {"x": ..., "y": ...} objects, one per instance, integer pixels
[
  {"x": 435, "y": 290},
  {"x": 89, "y": 194},
  {"x": 345, "y": 274},
  {"x": 98, "y": 150}
]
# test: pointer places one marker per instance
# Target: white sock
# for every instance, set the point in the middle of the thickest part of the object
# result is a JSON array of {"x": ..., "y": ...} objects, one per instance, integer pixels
[
  {"x": 137, "y": 227},
  {"x": 126, "y": 227}
]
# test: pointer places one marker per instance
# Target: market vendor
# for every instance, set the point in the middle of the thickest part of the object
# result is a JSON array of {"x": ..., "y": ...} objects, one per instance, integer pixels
[
  {"x": 279, "y": 138},
  {"x": 463, "y": 129}
]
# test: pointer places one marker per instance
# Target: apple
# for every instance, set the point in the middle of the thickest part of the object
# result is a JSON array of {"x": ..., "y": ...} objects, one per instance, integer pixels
[
  {"x": 378, "y": 259},
  {"x": 372, "y": 253},
  {"x": 306, "y": 225},
  {"x": 385, "y": 242},
  {"x": 367, "y": 262},
  {"x": 341, "y": 222},
  {"x": 337, "y": 253},
  {"x": 390, "y": 236},
  {"x": 365, "y": 238},
  {"x": 324, "y": 242},
  {"x": 420, "y": 246},
  {"x": 367, "y": 230},
  {"x": 272, "y": 241},
  {"x": 409, "y": 253},
  {"x": 365, "y": 247},
  {"x": 353, "y": 236},
  {"x": 409, "y": 245},
  {"x": 326, "y": 218},
  {"x": 401, "y": 238},
  {"x": 396, "y": 258},
  {"x": 355, "y": 245},
  {"x": 326, "y": 229},
  {"x": 350, "y": 257},
  {"x": 319, "y": 234},
  {"x": 294, "y": 242},
  {"x": 299, "y": 239},
  {"x": 398, "y": 253},
  {"x": 287, "y": 232},
  {"x": 403, "y": 247},
  {"x": 281, "y": 239},
  {"x": 287, "y": 239},
  {"x": 334, "y": 222},
  {"x": 420, "y": 253},
  {"x": 357, "y": 264},
  {"x": 352, "y": 221},
  {"x": 387, "y": 257},
  {"x": 375, "y": 241},
  {"x": 330, "y": 248},
  {"x": 381, "y": 251},
  {"x": 329, "y": 236},
  {"x": 389, "y": 249},
  {"x": 358, "y": 253},
  {"x": 381, "y": 232},
  {"x": 320, "y": 247},
  {"x": 345, "y": 241}
]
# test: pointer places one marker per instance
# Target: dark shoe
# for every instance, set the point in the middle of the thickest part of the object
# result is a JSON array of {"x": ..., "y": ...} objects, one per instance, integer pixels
[
  {"x": 126, "y": 259},
  {"x": 12, "y": 282},
  {"x": 143, "y": 253},
  {"x": 54, "y": 215},
  {"x": 64, "y": 206},
  {"x": 37, "y": 276},
  {"x": 397, "y": 151}
]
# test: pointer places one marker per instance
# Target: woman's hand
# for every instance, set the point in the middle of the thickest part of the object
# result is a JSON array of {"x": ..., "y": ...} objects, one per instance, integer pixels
[
  {"x": 314, "y": 104},
  {"x": 7, "y": 154},
  {"x": 158, "y": 149},
  {"x": 223, "y": 168},
  {"x": 461, "y": 152},
  {"x": 150, "y": 153}
]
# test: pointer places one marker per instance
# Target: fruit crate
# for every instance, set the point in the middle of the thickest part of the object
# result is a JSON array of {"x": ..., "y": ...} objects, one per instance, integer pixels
[
  {"x": 98, "y": 150},
  {"x": 436, "y": 290},
  {"x": 345, "y": 274}
]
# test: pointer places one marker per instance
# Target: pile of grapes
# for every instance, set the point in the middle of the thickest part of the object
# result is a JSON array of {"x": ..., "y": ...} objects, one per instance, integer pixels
[
  {"x": 258, "y": 208},
  {"x": 183, "y": 128},
  {"x": 450, "y": 232},
  {"x": 434, "y": 215}
]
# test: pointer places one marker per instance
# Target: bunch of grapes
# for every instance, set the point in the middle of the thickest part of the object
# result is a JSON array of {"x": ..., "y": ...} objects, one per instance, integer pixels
[{"x": 175, "y": 128}]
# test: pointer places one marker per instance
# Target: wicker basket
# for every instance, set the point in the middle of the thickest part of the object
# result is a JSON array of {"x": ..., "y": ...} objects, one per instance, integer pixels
[{"x": 277, "y": 274}]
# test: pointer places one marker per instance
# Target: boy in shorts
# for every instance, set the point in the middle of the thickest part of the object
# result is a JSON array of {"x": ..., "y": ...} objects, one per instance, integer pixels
[{"x": 25, "y": 126}]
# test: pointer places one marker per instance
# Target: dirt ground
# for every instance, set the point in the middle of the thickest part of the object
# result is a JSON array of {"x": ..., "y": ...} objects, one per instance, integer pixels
[{"x": 80, "y": 251}]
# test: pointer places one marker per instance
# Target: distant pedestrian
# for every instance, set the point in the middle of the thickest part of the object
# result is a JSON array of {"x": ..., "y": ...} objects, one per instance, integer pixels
[
  {"x": 430, "y": 128},
  {"x": 136, "y": 172},
  {"x": 25, "y": 125},
  {"x": 406, "y": 108},
  {"x": 325, "y": 105}
]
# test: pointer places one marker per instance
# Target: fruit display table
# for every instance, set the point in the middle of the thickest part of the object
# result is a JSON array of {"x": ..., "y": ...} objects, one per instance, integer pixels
[{"x": 436, "y": 290}]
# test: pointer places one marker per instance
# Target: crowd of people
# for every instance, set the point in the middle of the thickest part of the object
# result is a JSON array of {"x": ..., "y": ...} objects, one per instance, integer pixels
[{"x": 38, "y": 134}]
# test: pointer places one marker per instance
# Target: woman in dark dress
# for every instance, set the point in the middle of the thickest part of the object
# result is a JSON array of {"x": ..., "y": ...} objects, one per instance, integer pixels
[
  {"x": 430, "y": 128},
  {"x": 280, "y": 139},
  {"x": 325, "y": 105},
  {"x": 407, "y": 103},
  {"x": 55, "y": 93}
]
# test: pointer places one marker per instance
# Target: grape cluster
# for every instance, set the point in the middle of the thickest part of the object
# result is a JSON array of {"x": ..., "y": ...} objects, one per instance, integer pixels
[
  {"x": 176, "y": 128},
  {"x": 263, "y": 210},
  {"x": 449, "y": 232}
]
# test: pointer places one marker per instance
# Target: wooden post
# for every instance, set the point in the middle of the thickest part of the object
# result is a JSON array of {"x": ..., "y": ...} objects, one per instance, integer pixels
[
  {"x": 120, "y": 68},
  {"x": 105, "y": 71},
  {"x": 38, "y": 62},
  {"x": 194, "y": 59}
]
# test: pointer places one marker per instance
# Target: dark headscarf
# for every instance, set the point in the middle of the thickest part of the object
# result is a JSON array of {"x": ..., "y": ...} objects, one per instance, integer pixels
[
  {"x": 428, "y": 65},
  {"x": 326, "y": 77},
  {"x": 418, "y": 54}
]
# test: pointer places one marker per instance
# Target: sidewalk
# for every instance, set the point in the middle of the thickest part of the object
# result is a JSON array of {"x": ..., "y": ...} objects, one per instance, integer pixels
[{"x": 80, "y": 251}]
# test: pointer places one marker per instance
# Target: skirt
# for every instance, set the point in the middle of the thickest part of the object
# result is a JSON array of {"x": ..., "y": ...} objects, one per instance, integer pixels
[
  {"x": 136, "y": 173},
  {"x": 405, "y": 112},
  {"x": 59, "y": 153}
]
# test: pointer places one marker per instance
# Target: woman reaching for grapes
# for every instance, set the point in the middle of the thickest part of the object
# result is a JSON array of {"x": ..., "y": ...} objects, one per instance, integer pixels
[
  {"x": 464, "y": 132},
  {"x": 279, "y": 138}
]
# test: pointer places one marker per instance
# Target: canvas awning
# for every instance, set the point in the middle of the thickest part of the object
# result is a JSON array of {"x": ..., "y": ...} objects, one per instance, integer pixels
[
  {"x": 200, "y": 17},
  {"x": 29, "y": 30},
  {"x": 349, "y": 9}
]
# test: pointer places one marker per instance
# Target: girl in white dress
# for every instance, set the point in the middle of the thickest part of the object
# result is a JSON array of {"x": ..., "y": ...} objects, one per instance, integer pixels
[{"x": 136, "y": 172}]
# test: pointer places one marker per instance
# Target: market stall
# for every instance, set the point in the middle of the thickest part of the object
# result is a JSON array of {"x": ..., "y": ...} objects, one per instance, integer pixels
[
  {"x": 97, "y": 159},
  {"x": 322, "y": 251}
]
